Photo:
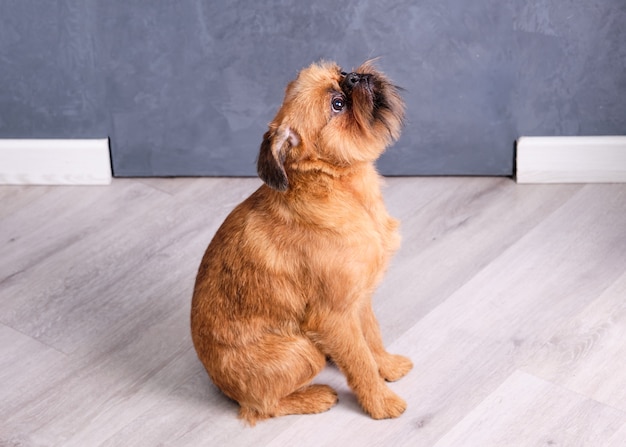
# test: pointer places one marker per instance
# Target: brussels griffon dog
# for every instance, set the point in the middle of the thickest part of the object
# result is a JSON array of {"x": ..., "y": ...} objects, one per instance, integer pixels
[{"x": 288, "y": 278}]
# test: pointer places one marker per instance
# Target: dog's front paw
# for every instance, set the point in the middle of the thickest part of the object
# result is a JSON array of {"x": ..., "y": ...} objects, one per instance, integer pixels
[
  {"x": 384, "y": 405},
  {"x": 393, "y": 367}
]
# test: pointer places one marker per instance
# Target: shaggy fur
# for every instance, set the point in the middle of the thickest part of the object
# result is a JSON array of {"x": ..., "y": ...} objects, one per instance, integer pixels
[{"x": 288, "y": 278}]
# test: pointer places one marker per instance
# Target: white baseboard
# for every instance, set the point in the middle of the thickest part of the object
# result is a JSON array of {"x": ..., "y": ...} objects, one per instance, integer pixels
[
  {"x": 55, "y": 162},
  {"x": 571, "y": 159}
]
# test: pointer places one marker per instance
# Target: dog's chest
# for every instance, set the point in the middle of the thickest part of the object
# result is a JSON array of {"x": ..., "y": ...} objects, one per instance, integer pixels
[
  {"x": 355, "y": 234},
  {"x": 350, "y": 258}
]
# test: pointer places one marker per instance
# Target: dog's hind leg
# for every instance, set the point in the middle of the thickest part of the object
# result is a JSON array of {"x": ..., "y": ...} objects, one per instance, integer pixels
[{"x": 277, "y": 382}]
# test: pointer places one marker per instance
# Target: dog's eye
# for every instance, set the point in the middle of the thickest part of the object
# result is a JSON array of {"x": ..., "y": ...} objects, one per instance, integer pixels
[{"x": 338, "y": 104}]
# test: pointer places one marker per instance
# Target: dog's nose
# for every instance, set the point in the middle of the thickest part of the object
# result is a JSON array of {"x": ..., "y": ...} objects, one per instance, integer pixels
[{"x": 351, "y": 80}]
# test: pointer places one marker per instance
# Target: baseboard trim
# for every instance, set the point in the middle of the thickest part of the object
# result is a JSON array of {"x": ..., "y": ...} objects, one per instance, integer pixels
[
  {"x": 599, "y": 159},
  {"x": 55, "y": 162}
]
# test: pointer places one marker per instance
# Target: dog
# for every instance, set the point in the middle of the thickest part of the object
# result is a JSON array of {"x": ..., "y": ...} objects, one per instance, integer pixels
[{"x": 287, "y": 281}]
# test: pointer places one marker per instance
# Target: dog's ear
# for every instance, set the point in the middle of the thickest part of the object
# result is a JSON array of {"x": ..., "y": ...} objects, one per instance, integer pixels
[{"x": 274, "y": 148}]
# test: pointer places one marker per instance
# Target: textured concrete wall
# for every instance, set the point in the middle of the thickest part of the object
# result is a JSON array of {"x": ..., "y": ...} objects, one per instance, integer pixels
[{"x": 187, "y": 87}]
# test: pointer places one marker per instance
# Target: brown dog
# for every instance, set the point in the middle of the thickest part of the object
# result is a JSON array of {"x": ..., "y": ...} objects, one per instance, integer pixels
[{"x": 288, "y": 278}]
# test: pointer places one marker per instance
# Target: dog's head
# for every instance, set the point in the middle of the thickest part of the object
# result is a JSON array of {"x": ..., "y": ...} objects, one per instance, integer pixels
[{"x": 330, "y": 117}]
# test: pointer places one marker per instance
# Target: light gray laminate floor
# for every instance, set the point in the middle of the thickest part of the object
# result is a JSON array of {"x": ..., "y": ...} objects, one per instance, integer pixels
[{"x": 510, "y": 299}]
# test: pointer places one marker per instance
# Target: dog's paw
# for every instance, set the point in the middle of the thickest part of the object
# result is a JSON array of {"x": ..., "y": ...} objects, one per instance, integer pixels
[
  {"x": 322, "y": 397},
  {"x": 308, "y": 400},
  {"x": 393, "y": 367},
  {"x": 384, "y": 405}
]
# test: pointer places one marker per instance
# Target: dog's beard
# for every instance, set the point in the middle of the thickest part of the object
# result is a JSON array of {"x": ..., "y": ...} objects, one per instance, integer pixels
[
  {"x": 375, "y": 106},
  {"x": 362, "y": 107}
]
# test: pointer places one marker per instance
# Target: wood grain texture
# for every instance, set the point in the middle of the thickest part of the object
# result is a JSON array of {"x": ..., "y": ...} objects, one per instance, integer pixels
[
  {"x": 551, "y": 415},
  {"x": 508, "y": 298},
  {"x": 587, "y": 353}
]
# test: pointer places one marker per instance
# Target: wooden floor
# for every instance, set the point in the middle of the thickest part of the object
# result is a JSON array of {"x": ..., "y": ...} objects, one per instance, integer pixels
[{"x": 511, "y": 301}]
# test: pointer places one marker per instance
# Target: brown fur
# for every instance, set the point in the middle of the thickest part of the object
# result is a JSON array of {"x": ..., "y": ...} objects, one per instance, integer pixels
[{"x": 288, "y": 278}]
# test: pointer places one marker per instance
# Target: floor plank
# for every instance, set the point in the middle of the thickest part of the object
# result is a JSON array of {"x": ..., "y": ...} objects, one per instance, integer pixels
[
  {"x": 449, "y": 235},
  {"x": 552, "y": 416},
  {"x": 618, "y": 439},
  {"x": 587, "y": 353}
]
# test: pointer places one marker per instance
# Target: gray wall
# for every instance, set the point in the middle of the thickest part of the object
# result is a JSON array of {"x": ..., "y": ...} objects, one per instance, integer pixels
[{"x": 187, "y": 87}]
